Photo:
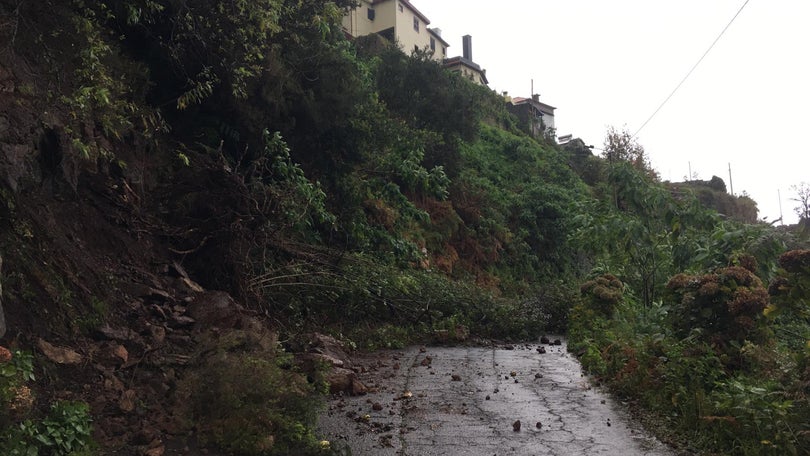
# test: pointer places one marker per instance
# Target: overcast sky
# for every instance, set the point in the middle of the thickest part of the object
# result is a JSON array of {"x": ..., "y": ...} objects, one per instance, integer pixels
[{"x": 612, "y": 63}]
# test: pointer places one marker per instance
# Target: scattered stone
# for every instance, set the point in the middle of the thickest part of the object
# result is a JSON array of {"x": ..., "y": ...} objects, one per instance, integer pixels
[
  {"x": 157, "y": 335},
  {"x": 345, "y": 380},
  {"x": 602, "y": 401},
  {"x": 544, "y": 340},
  {"x": 422, "y": 349},
  {"x": 516, "y": 426},
  {"x": 127, "y": 401},
  {"x": 487, "y": 398},
  {"x": 377, "y": 407},
  {"x": 120, "y": 352},
  {"x": 456, "y": 377},
  {"x": 513, "y": 374},
  {"x": 112, "y": 383},
  {"x": 179, "y": 321},
  {"x": 426, "y": 361},
  {"x": 386, "y": 441},
  {"x": 59, "y": 355},
  {"x": 119, "y": 334},
  {"x": 215, "y": 308},
  {"x": 557, "y": 342},
  {"x": 541, "y": 350},
  {"x": 538, "y": 375},
  {"x": 539, "y": 425},
  {"x": 516, "y": 380}
]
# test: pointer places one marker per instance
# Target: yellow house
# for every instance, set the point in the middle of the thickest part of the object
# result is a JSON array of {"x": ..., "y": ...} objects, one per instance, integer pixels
[{"x": 398, "y": 21}]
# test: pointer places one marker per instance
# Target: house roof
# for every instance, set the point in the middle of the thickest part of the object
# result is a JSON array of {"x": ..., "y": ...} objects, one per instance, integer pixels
[
  {"x": 461, "y": 61},
  {"x": 409, "y": 5},
  {"x": 539, "y": 104}
]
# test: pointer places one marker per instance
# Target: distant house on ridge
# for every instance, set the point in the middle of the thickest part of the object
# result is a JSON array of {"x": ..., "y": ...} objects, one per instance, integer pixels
[
  {"x": 399, "y": 22},
  {"x": 464, "y": 64},
  {"x": 534, "y": 116}
]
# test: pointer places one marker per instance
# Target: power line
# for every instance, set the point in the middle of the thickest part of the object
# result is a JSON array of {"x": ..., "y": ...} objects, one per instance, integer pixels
[{"x": 690, "y": 71}]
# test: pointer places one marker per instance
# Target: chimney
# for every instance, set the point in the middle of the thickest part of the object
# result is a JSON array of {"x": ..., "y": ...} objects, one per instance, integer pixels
[
  {"x": 467, "y": 45},
  {"x": 437, "y": 31},
  {"x": 535, "y": 97}
]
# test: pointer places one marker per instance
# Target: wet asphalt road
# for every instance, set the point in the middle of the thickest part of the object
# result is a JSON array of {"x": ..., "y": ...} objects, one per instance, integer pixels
[{"x": 466, "y": 400}]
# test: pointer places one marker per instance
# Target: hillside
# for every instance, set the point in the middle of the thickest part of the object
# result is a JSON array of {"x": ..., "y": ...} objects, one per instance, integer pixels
[
  {"x": 190, "y": 191},
  {"x": 713, "y": 194}
]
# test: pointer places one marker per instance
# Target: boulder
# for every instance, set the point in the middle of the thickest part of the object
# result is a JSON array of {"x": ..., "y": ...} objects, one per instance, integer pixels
[
  {"x": 331, "y": 348},
  {"x": 59, "y": 355},
  {"x": 345, "y": 381}
]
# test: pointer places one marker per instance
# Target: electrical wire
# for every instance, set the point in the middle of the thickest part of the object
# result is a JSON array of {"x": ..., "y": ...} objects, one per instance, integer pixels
[{"x": 692, "y": 70}]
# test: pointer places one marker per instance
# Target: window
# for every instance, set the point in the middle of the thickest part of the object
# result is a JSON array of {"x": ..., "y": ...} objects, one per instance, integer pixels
[
  {"x": 416, "y": 24},
  {"x": 370, "y": 14},
  {"x": 432, "y": 44},
  {"x": 400, "y": 7},
  {"x": 444, "y": 51}
]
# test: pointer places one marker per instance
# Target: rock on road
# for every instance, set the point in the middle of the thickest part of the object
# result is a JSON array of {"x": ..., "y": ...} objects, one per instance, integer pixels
[{"x": 468, "y": 401}]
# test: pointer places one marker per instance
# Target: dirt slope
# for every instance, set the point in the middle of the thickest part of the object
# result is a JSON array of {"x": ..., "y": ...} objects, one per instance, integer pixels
[{"x": 92, "y": 283}]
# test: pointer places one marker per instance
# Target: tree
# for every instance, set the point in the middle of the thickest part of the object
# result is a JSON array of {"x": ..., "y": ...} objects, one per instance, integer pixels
[
  {"x": 803, "y": 198},
  {"x": 623, "y": 147}
]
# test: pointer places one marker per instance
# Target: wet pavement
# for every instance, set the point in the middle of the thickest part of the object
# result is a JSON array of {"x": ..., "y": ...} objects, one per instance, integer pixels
[{"x": 467, "y": 401}]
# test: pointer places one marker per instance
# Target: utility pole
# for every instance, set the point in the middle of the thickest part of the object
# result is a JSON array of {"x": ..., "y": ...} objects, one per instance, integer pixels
[
  {"x": 730, "y": 183},
  {"x": 781, "y": 218}
]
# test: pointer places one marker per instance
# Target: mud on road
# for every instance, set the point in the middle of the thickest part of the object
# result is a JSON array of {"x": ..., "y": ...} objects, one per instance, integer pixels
[{"x": 504, "y": 400}]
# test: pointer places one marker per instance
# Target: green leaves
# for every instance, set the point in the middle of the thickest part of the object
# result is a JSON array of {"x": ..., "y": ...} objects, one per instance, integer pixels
[
  {"x": 65, "y": 430},
  {"x": 301, "y": 202}
]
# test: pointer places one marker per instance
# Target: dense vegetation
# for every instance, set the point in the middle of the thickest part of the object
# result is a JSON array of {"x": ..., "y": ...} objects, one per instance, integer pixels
[
  {"x": 696, "y": 318},
  {"x": 347, "y": 187}
]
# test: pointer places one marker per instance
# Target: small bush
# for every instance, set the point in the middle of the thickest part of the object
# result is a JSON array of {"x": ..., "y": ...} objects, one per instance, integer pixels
[
  {"x": 725, "y": 306},
  {"x": 248, "y": 405},
  {"x": 65, "y": 430},
  {"x": 603, "y": 294}
]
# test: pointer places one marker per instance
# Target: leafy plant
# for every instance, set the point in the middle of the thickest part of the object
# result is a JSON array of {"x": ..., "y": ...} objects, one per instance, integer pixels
[
  {"x": 65, "y": 430},
  {"x": 726, "y": 305},
  {"x": 16, "y": 399},
  {"x": 251, "y": 405}
]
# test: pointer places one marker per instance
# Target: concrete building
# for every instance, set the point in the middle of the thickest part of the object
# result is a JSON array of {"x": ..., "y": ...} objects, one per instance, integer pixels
[
  {"x": 534, "y": 116},
  {"x": 399, "y": 22}
]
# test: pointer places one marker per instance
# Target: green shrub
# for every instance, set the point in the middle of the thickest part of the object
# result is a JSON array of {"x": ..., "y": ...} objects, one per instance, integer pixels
[
  {"x": 603, "y": 294},
  {"x": 250, "y": 405},
  {"x": 65, "y": 430},
  {"x": 725, "y": 306},
  {"x": 16, "y": 399},
  {"x": 753, "y": 416},
  {"x": 385, "y": 336}
]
